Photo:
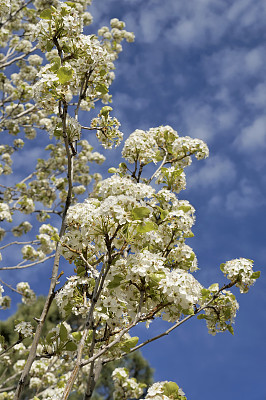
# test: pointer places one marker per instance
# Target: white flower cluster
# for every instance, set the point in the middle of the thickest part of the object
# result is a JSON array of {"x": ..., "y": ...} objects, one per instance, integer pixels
[
  {"x": 27, "y": 205},
  {"x": 221, "y": 311},
  {"x": 29, "y": 253},
  {"x": 164, "y": 144},
  {"x": 154, "y": 144},
  {"x": 47, "y": 245},
  {"x": 165, "y": 391},
  {"x": 19, "y": 365},
  {"x": 85, "y": 59},
  {"x": 126, "y": 387},
  {"x": 57, "y": 22},
  {"x": 25, "y": 329},
  {"x": 107, "y": 128},
  {"x": 70, "y": 299},
  {"x": 181, "y": 289},
  {"x": 140, "y": 146},
  {"x": 5, "y": 6},
  {"x": 116, "y": 185},
  {"x": 22, "y": 228},
  {"x": 240, "y": 270},
  {"x": 5, "y": 213},
  {"x": 28, "y": 295},
  {"x": 191, "y": 146},
  {"x": 113, "y": 38}
]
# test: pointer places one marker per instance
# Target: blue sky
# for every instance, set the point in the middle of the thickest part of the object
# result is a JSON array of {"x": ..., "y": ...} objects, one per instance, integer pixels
[{"x": 199, "y": 66}]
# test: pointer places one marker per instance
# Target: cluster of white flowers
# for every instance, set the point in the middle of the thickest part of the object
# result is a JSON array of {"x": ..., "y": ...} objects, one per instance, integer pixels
[
  {"x": 19, "y": 365},
  {"x": 126, "y": 387},
  {"x": 117, "y": 185},
  {"x": 22, "y": 228},
  {"x": 62, "y": 21},
  {"x": 221, "y": 312},
  {"x": 181, "y": 288},
  {"x": 70, "y": 299},
  {"x": 5, "y": 6},
  {"x": 191, "y": 146},
  {"x": 165, "y": 391},
  {"x": 114, "y": 36},
  {"x": 28, "y": 295},
  {"x": 27, "y": 205},
  {"x": 29, "y": 253},
  {"x": 5, "y": 213},
  {"x": 107, "y": 128},
  {"x": 47, "y": 245},
  {"x": 25, "y": 329},
  {"x": 241, "y": 271},
  {"x": 140, "y": 146}
]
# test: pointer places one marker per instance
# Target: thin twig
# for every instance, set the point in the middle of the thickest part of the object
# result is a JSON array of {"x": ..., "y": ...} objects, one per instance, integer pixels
[
  {"x": 3, "y": 65},
  {"x": 28, "y": 265},
  {"x": 11, "y": 288}
]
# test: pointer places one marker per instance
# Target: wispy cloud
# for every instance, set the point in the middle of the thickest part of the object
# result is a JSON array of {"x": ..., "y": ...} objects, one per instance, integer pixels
[
  {"x": 244, "y": 198},
  {"x": 216, "y": 171},
  {"x": 252, "y": 137}
]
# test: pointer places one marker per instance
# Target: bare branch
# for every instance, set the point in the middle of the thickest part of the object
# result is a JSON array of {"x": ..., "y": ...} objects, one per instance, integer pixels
[
  {"x": 28, "y": 265},
  {"x": 6, "y": 64}
]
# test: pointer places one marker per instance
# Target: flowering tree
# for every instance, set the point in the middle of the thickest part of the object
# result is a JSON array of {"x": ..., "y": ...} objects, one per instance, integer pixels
[{"x": 126, "y": 241}]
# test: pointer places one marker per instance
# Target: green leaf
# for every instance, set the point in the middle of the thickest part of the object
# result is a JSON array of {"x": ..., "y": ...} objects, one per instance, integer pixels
[
  {"x": 255, "y": 275},
  {"x": 205, "y": 292},
  {"x": 140, "y": 213},
  {"x": 101, "y": 88},
  {"x": 222, "y": 267},
  {"x": 112, "y": 170},
  {"x": 163, "y": 213},
  {"x": 230, "y": 329},
  {"x": 64, "y": 11},
  {"x": 81, "y": 271},
  {"x": 171, "y": 389},
  {"x": 64, "y": 74},
  {"x": 147, "y": 227},
  {"x": 214, "y": 287},
  {"x": 201, "y": 316},
  {"x": 55, "y": 237},
  {"x": 156, "y": 277},
  {"x": 158, "y": 156},
  {"x": 77, "y": 335},
  {"x": 189, "y": 311},
  {"x": 46, "y": 14},
  {"x": 189, "y": 235},
  {"x": 56, "y": 64},
  {"x": 63, "y": 333},
  {"x": 49, "y": 46},
  {"x": 71, "y": 346},
  {"x": 103, "y": 72},
  {"x": 70, "y": 3},
  {"x": 115, "y": 282},
  {"x": 50, "y": 337},
  {"x": 184, "y": 208},
  {"x": 105, "y": 110},
  {"x": 128, "y": 344}
]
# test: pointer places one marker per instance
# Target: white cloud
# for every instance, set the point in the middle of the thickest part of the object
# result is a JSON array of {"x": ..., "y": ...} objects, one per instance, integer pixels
[
  {"x": 257, "y": 96},
  {"x": 203, "y": 119},
  {"x": 253, "y": 137},
  {"x": 216, "y": 171},
  {"x": 231, "y": 65},
  {"x": 244, "y": 198}
]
